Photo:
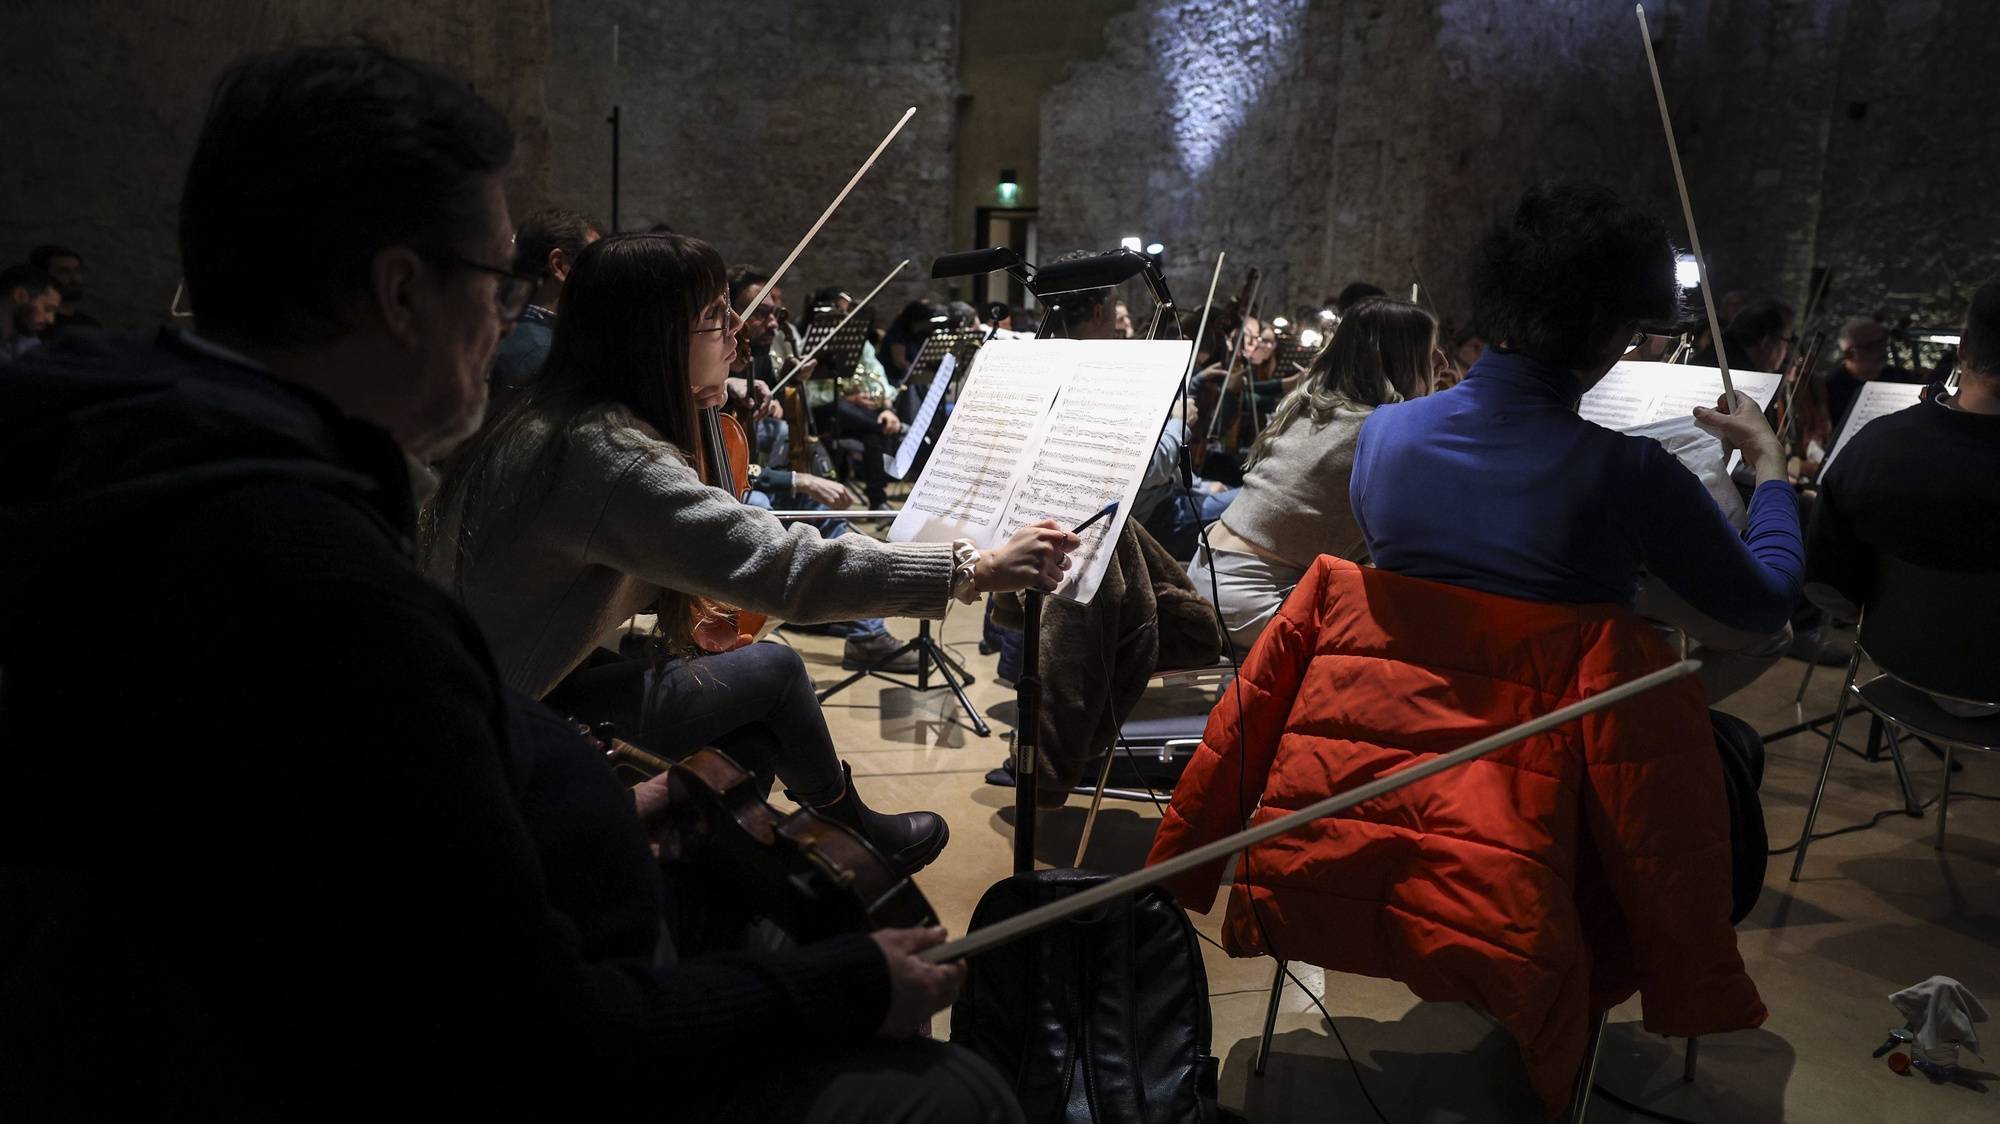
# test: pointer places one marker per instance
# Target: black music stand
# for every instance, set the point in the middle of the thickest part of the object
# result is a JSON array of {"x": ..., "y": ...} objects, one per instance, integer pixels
[
  {"x": 928, "y": 652},
  {"x": 1294, "y": 353},
  {"x": 1049, "y": 284},
  {"x": 961, "y": 342},
  {"x": 839, "y": 355}
]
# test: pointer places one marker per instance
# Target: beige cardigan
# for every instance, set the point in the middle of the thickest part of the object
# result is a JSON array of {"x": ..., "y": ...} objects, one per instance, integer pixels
[{"x": 626, "y": 518}]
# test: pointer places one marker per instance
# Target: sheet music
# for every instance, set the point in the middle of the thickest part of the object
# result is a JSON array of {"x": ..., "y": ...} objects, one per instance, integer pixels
[
  {"x": 1100, "y": 406},
  {"x": 1101, "y": 436},
  {"x": 913, "y": 437},
  {"x": 1002, "y": 409},
  {"x": 1636, "y": 394},
  {"x": 1875, "y": 399}
]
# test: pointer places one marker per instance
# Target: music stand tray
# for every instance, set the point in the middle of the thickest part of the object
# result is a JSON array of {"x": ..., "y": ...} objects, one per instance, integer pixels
[{"x": 839, "y": 352}]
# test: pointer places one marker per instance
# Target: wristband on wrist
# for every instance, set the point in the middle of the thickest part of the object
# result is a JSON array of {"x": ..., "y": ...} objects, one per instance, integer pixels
[{"x": 964, "y": 579}]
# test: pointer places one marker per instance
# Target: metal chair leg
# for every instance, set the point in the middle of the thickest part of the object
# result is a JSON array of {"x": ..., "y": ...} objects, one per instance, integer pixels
[
  {"x": 1579, "y": 1100},
  {"x": 1687, "y": 1065},
  {"x": 1096, "y": 799},
  {"x": 1270, "y": 1019},
  {"x": 1826, "y": 761},
  {"x": 1944, "y": 798},
  {"x": 1819, "y": 791},
  {"x": 1911, "y": 806}
]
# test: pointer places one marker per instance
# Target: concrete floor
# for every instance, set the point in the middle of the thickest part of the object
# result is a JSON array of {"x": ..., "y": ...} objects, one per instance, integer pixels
[{"x": 1876, "y": 911}]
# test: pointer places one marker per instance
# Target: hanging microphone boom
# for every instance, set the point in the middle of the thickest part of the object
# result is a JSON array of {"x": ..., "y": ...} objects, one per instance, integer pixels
[{"x": 971, "y": 263}]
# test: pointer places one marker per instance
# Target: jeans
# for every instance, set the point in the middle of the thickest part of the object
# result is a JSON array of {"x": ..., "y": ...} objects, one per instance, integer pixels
[
  {"x": 755, "y": 704},
  {"x": 1213, "y": 504},
  {"x": 843, "y": 419}
]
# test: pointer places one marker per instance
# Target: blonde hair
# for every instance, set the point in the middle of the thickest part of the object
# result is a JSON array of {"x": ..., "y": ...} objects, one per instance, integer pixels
[{"x": 1381, "y": 353}]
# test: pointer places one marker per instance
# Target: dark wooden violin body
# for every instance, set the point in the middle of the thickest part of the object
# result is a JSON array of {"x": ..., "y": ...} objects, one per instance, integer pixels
[{"x": 807, "y": 875}]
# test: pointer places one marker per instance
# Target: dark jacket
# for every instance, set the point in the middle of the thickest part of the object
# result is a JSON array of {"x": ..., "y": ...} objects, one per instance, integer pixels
[
  {"x": 1096, "y": 658},
  {"x": 268, "y": 823},
  {"x": 1921, "y": 485}
]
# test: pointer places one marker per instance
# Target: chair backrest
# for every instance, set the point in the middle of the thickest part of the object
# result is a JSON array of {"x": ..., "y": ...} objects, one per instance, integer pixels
[{"x": 1936, "y": 629}]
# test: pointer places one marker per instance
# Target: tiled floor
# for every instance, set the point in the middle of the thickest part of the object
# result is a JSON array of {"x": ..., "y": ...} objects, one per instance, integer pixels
[{"x": 1876, "y": 911}]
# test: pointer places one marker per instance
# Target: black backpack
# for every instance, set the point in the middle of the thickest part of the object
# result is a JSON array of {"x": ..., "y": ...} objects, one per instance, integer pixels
[{"x": 1103, "y": 1017}]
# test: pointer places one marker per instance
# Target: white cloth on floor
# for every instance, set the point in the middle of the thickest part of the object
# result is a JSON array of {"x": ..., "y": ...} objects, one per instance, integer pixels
[{"x": 1942, "y": 1013}]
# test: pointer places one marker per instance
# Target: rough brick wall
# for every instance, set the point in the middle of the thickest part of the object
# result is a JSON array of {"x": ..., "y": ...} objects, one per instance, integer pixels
[
  {"x": 1352, "y": 136},
  {"x": 1907, "y": 218},
  {"x": 741, "y": 123},
  {"x": 104, "y": 99},
  {"x": 1357, "y": 140},
  {"x": 1325, "y": 140}
]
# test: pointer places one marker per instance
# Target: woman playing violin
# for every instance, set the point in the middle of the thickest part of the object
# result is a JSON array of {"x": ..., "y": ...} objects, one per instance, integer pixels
[{"x": 579, "y": 507}]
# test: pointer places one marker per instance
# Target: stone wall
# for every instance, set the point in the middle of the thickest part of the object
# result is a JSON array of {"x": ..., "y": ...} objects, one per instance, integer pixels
[
  {"x": 1324, "y": 140},
  {"x": 741, "y": 123},
  {"x": 1907, "y": 219},
  {"x": 1335, "y": 140},
  {"x": 105, "y": 98}
]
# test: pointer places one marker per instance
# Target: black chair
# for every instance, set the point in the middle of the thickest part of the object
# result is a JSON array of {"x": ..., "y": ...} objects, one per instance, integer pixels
[{"x": 1932, "y": 634}]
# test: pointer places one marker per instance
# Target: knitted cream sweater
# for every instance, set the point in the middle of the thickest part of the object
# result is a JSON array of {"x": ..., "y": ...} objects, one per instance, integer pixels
[{"x": 627, "y": 517}]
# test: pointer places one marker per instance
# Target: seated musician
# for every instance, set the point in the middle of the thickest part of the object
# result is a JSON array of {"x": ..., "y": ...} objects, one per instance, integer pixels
[
  {"x": 1293, "y": 506},
  {"x": 579, "y": 507},
  {"x": 1756, "y": 340},
  {"x": 545, "y": 245},
  {"x": 839, "y": 415},
  {"x": 1500, "y": 486},
  {"x": 1923, "y": 484},
  {"x": 1864, "y": 357},
  {"x": 903, "y": 339},
  {"x": 321, "y": 894}
]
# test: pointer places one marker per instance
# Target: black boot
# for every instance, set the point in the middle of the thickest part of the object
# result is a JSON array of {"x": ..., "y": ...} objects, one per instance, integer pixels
[{"x": 909, "y": 840}]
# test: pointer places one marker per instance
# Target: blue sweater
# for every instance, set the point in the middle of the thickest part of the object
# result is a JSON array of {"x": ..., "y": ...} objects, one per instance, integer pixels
[{"x": 1498, "y": 485}]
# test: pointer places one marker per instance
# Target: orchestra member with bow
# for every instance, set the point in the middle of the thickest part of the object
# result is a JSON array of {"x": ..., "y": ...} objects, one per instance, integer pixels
[
  {"x": 579, "y": 507},
  {"x": 1500, "y": 486}
]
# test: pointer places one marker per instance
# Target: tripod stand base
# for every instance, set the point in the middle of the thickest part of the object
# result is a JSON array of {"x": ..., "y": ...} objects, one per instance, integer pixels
[{"x": 929, "y": 655}]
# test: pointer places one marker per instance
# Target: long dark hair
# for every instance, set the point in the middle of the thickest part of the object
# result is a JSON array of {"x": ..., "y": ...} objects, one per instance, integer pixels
[
  {"x": 1380, "y": 353},
  {"x": 623, "y": 328}
]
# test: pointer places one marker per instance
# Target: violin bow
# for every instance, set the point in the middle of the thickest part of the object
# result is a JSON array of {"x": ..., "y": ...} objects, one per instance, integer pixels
[
  {"x": 785, "y": 265},
  {"x": 992, "y": 936},
  {"x": 1417, "y": 276},
  {"x": 858, "y": 306},
  {"x": 1687, "y": 209},
  {"x": 1202, "y": 327},
  {"x": 1243, "y": 316}
]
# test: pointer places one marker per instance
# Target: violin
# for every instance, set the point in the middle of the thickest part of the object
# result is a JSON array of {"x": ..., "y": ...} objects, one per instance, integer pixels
[
  {"x": 725, "y": 464},
  {"x": 1218, "y": 455},
  {"x": 807, "y": 875}
]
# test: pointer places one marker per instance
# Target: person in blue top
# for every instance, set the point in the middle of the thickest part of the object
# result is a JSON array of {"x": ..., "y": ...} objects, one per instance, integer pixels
[{"x": 1498, "y": 485}]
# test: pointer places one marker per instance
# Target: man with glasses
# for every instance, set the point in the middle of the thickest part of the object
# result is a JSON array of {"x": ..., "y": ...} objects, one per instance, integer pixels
[
  {"x": 1864, "y": 357},
  {"x": 333, "y": 863},
  {"x": 545, "y": 246}
]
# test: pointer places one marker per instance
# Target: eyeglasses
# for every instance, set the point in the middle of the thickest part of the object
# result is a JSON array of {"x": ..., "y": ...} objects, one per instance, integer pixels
[
  {"x": 514, "y": 291},
  {"x": 730, "y": 319}
]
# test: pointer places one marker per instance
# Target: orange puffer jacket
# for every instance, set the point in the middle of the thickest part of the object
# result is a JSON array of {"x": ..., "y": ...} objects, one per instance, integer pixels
[{"x": 1544, "y": 882}]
